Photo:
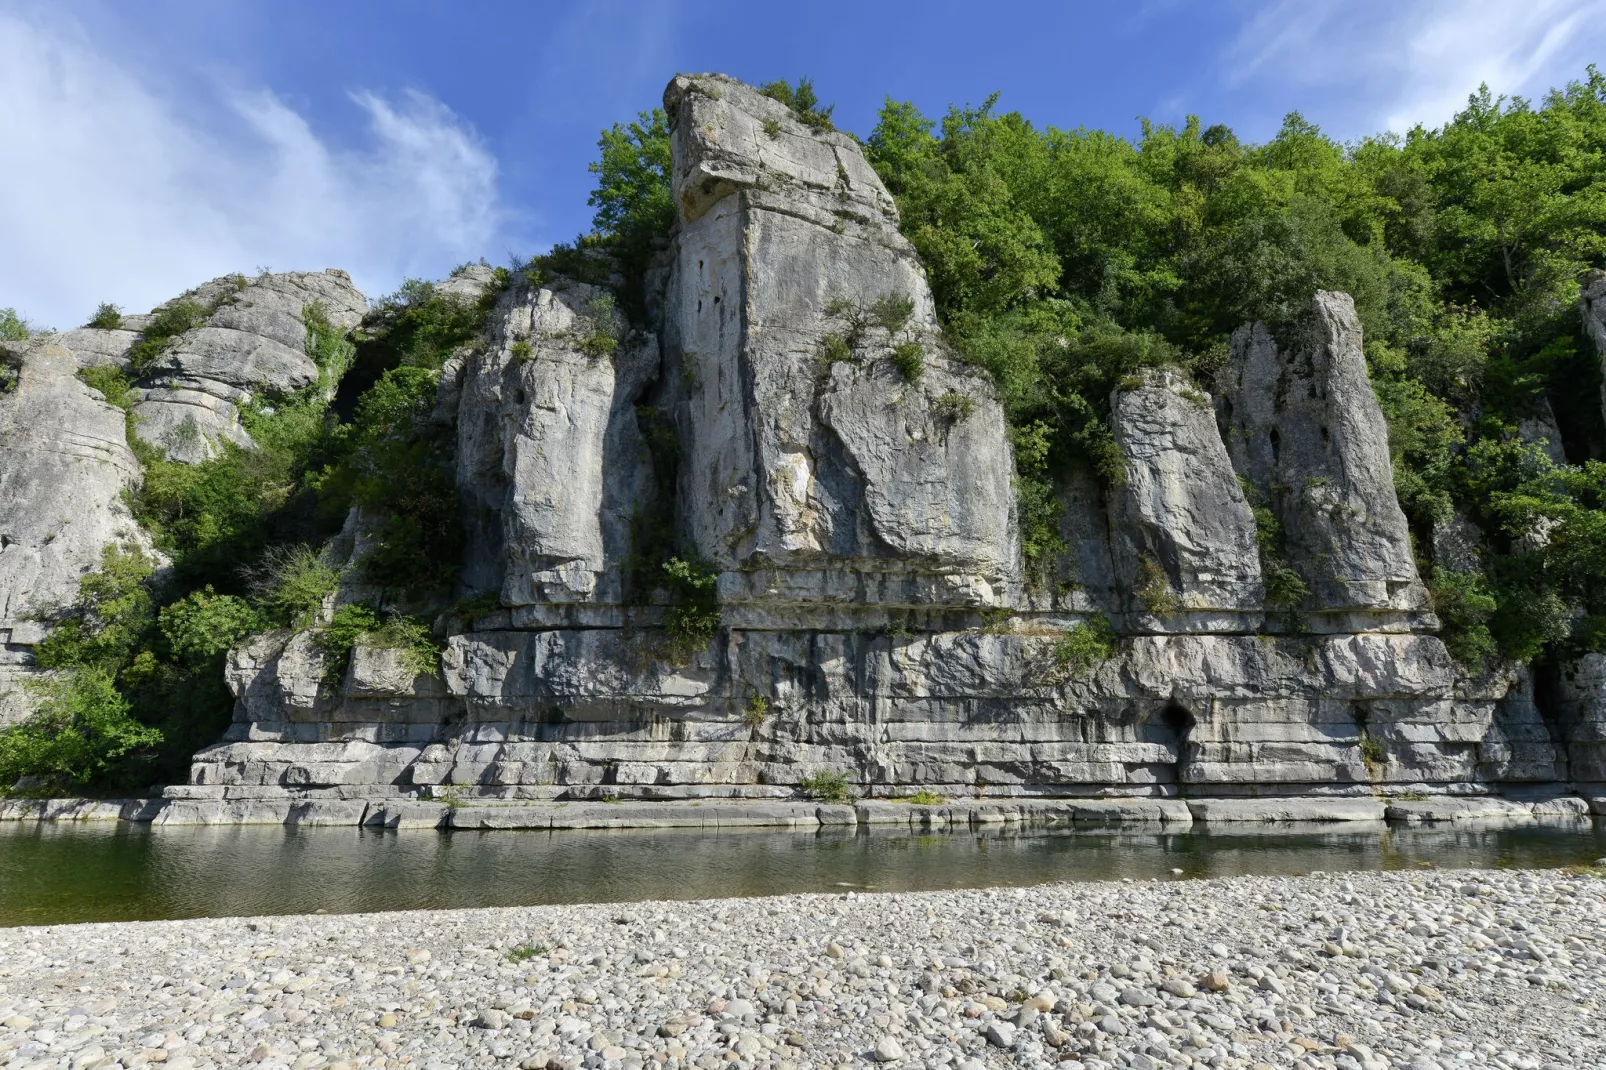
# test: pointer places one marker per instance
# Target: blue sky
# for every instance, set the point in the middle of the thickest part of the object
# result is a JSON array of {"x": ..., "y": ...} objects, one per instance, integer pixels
[{"x": 147, "y": 147}]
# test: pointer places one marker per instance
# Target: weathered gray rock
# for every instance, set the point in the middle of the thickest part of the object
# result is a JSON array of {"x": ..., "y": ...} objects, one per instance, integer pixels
[
  {"x": 1183, "y": 534},
  {"x": 549, "y": 448},
  {"x": 64, "y": 465},
  {"x": 808, "y": 479},
  {"x": 95, "y": 347},
  {"x": 254, "y": 341},
  {"x": 1296, "y": 809},
  {"x": 1592, "y": 306},
  {"x": 1303, "y": 426},
  {"x": 1581, "y": 692}
]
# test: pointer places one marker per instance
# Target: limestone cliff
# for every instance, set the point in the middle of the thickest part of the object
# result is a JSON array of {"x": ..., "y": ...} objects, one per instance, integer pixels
[
  {"x": 788, "y": 406},
  {"x": 64, "y": 464}
]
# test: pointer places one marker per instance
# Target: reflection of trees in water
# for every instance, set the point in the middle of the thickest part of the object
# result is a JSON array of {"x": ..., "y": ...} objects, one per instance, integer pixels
[{"x": 55, "y": 874}]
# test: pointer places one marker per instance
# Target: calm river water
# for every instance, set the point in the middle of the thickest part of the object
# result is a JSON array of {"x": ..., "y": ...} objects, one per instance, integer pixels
[{"x": 52, "y": 874}]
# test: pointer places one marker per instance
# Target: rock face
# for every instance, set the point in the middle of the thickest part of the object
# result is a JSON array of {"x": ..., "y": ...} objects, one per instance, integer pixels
[
  {"x": 1592, "y": 306},
  {"x": 860, "y": 519},
  {"x": 549, "y": 449},
  {"x": 1183, "y": 533},
  {"x": 253, "y": 340},
  {"x": 64, "y": 464},
  {"x": 1304, "y": 428},
  {"x": 786, "y": 415},
  {"x": 814, "y": 471}
]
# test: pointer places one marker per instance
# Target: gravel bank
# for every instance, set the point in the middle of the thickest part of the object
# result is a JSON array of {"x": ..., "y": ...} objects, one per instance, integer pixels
[{"x": 1421, "y": 970}]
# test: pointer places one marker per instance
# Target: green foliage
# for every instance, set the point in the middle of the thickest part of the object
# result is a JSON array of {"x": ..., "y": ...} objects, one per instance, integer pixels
[
  {"x": 110, "y": 381},
  {"x": 758, "y": 708},
  {"x": 13, "y": 328},
  {"x": 803, "y": 102},
  {"x": 526, "y": 952},
  {"x": 910, "y": 360},
  {"x": 329, "y": 348},
  {"x": 827, "y": 786},
  {"x": 635, "y": 209},
  {"x": 169, "y": 323},
  {"x": 693, "y": 615},
  {"x": 134, "y": 689},
  {"x": 1464, "y": 605},
  {"x": 291, "y": 583},
  {"x": 1085, "y": 646},
  {"x": 111, "y": 617},
  {"x": 521, "y": 350},
  {"x": 1372, "y": 752},
  {"x": 107, "y": 317},
  {"x": 1153, "y": 590},
  {"x": 344, "y": 629},
  {"x": 1064, "y": 261},
  {"x": 204, "y": 624},
  {"x": 953, "y": 406},
  {"x": 925, "y": 797},
  {"x": 81, "y": 733}
]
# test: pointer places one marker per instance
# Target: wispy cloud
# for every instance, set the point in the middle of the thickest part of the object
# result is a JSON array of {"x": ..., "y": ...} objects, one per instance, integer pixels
[
  {"x": 113, "y": 191},
  {"x": 1402, "y": 63}
]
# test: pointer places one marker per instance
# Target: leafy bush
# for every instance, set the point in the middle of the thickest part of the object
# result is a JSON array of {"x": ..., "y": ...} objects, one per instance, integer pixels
[
  {"x": 925, "y": 797},
  {"x": 1085, "y": 646},
  {"x": 828, "y": 786},
  {"x": 693, "y": 615},
  {"x": 1464, "y": 605},
  {"x": 758, "y": 708},
  {"x": 803, "y": 102},
  {"x": 204, "y": 624},
  {"x": 953, "y": 407},
  {"x": 80, "y": 733},
  {"x": 169, "y": 323},
  {"x": 291, "y": 584},
  {"x": 13, "y": 328},
  {"x": 344, "y": 629},
  {"x": 107, "y": 317},
  {"x": 420, "y": 653},
  {"x": 910, "y": 360}
]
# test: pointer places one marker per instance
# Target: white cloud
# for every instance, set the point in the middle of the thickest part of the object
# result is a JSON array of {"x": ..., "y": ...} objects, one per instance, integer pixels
[
  {"x": 1400, "y": 63},
  {"x": 111, "y": 191}
]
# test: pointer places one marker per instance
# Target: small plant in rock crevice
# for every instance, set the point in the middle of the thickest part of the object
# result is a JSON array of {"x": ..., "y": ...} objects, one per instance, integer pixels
[
  {"x": 827, "y": 786},
  {"x": 758, "y": 708},
  {"x": 953, "y": 407},
  {"x": 1153, "y": 589},
  {"x": 1085, "y": 646}
]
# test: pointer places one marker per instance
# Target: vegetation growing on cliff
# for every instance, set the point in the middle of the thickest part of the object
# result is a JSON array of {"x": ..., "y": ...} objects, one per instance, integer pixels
[
  {"x": 1062, "y": 260},
  {"x": 139, "y": 658}
]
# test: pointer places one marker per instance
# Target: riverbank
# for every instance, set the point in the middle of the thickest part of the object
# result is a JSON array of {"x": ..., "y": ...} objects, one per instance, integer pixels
[
  {"x": 1421, "y": 970},
  {"x": 485, "y": 815}
]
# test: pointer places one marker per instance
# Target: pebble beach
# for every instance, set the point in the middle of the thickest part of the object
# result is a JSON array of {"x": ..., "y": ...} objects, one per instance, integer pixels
[{"x": 1425, "y": 970}]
